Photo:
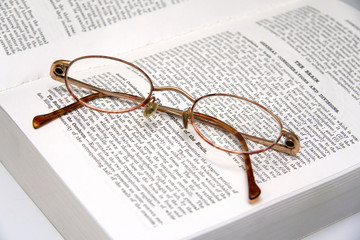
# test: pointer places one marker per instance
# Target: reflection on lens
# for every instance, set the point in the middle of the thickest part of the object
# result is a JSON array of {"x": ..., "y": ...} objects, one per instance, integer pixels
[
  {"x": 237, "y": 114},
  {"x": 122, "y": 85}
]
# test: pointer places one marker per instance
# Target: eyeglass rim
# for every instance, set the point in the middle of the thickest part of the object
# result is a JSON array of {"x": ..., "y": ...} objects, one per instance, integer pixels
[
  {"x": 192, "y": 118},
  {"x": 191, "y": 109},
  {"x": 147, "y": 99}
]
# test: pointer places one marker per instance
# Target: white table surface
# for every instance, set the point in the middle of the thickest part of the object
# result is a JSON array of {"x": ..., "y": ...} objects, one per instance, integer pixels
[{"x": 21, "y": 219}]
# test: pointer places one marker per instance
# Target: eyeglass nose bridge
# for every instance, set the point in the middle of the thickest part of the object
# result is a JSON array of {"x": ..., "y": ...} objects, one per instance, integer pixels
[{"x": 186, "y": 113}]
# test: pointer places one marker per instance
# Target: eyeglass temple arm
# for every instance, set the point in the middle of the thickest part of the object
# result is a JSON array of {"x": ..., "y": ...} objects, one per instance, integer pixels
[
  {"x": 292, "y": 146},
  {"x": 254, "y": 190},
  {"x": 41, "y": 120}
]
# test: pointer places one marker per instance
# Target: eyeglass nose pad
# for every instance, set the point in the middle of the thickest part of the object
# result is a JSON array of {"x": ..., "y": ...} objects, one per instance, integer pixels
[
  {"x": 151, "y": 108},
  {"x": 186, "y": 117}
]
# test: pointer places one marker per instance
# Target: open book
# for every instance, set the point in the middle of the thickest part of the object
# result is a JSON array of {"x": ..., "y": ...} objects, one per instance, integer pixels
[{"x": 98, "y": 176}]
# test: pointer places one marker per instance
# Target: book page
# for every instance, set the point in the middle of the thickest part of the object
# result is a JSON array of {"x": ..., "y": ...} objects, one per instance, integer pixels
[
  {"x": 34, "y": 33},
  {"x": 299, "y": 61}
]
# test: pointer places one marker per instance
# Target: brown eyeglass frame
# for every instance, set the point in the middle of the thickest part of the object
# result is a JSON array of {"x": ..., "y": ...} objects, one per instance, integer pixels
[{"x": 59, "y": 71}]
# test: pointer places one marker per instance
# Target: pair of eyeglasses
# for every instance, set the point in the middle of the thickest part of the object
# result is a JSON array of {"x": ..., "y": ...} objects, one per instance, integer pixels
[{"x": 228, "y": 122}]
